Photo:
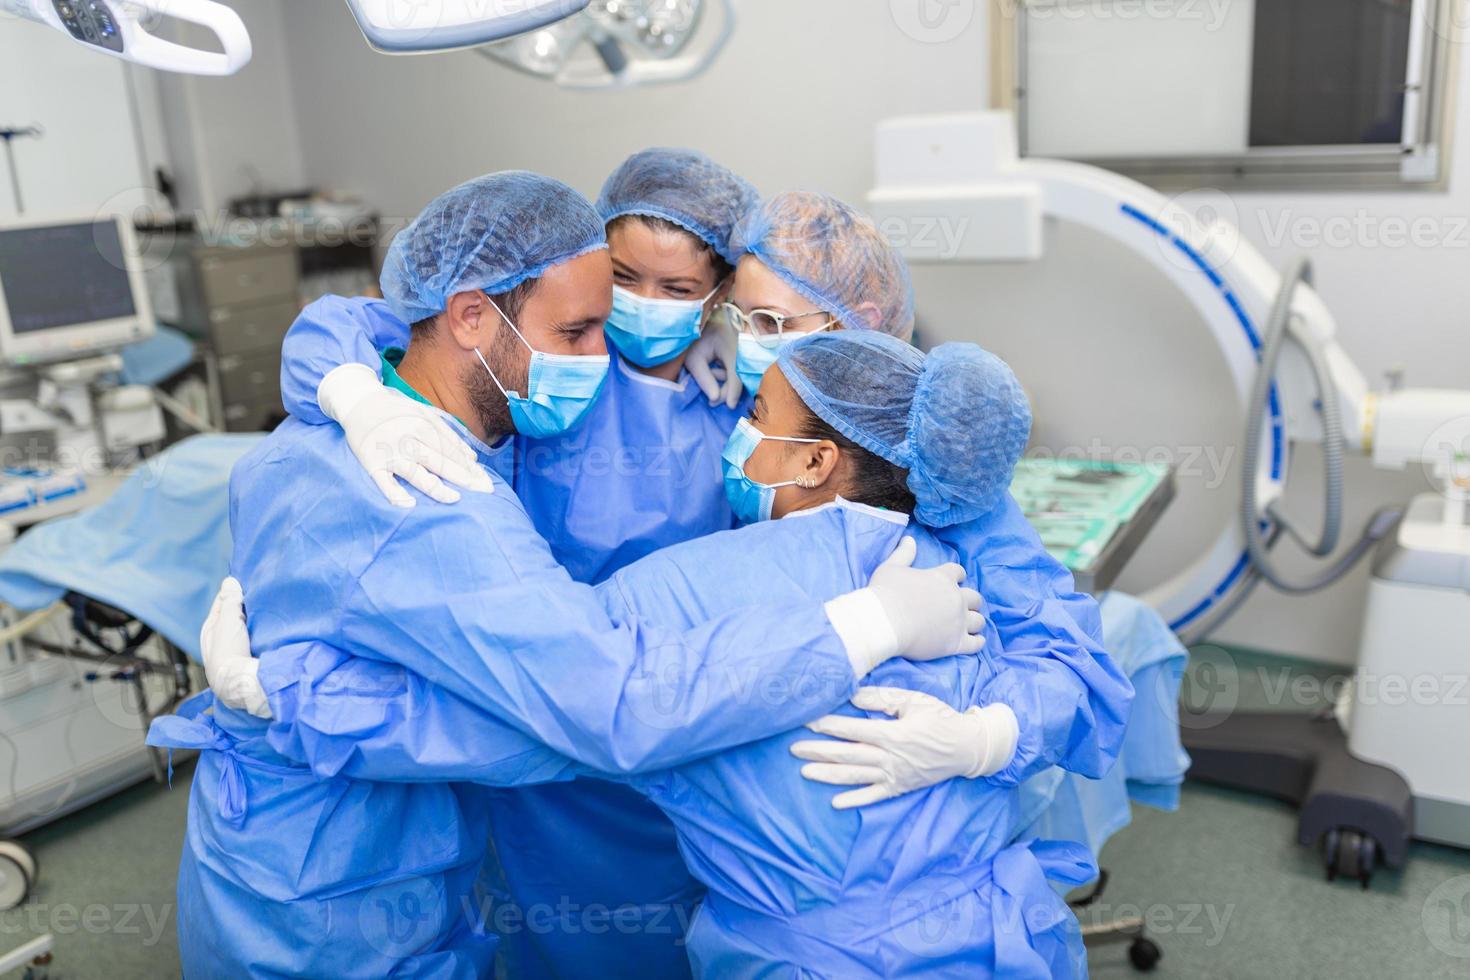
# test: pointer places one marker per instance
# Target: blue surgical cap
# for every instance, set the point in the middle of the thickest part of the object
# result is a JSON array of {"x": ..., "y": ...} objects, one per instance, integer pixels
[
  {"x": 834, "y": 256},
  {"x": 491, "y": 233},
  {"x": 684, "y": 187},
  {"x": 955, "y": 418}
]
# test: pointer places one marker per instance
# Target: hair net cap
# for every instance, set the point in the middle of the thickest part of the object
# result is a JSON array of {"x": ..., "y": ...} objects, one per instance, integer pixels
[
  {"x": 956, "y": 419},
  {"x": 682, "y": 186},
  {"x": 491, "y": 233},
  {"x": 835, "y": 256}
]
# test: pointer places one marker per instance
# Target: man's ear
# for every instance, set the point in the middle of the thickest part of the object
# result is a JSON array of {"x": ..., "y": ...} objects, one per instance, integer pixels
[{"x": 471, "y": 320}]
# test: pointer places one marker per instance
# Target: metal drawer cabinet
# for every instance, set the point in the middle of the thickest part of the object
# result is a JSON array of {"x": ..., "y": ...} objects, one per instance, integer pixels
[
  {"x": 252, "y": 329},
  {"x": 250, "y": 389},
  {"x": 247, "y": 276}
]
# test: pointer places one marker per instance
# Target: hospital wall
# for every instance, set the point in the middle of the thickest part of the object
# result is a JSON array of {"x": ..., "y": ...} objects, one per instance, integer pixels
[
  {"x": 228, "y": 137},
  {"x": 1115, "y": 361}
]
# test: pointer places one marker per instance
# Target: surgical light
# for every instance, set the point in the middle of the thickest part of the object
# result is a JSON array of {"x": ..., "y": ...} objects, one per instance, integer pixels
[
  {"x": 622, "y": 43},
  {"x": 413, "y": 26},
  {"x": 125, "y": 30}
]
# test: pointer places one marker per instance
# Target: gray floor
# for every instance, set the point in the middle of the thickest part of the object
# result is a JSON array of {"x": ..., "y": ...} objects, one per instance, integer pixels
[
  {"x": 1227, "y": 892},
  {"x": 106, "y": 886},
  {"x": 1232, "y": 896}
]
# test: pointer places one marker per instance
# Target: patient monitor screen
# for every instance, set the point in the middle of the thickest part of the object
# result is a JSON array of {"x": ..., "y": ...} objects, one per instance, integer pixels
[{"x": 64, "y": 275}]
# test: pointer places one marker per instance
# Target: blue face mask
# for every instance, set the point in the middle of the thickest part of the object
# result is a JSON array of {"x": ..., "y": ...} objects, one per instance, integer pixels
[
  {"x": 749, "y": 500},
  {"x": 560, "y": 388},
  {"x": 753, "y": 358},
  {"x": 654, "y": 331}
]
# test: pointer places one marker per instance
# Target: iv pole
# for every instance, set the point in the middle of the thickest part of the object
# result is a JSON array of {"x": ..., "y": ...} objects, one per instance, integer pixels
[{"x": 9, "y": 135}]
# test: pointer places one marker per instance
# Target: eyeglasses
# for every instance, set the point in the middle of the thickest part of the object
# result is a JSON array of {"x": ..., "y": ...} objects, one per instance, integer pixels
[{"x": 768, "y": 326}]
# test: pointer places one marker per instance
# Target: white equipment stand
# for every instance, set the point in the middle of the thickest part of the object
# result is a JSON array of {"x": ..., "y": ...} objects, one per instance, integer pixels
[{"x": 965, "y": 167}]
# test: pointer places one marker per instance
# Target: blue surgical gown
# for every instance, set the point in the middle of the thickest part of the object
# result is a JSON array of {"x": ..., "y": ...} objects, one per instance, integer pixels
[
  {"x": 923, "y": 885},
  {"x": 640, "y": 472},
  {"x": 1152, "y": 762},
  {"x": 283, "y": 872},
  {"x": 1070, "y": 699}
]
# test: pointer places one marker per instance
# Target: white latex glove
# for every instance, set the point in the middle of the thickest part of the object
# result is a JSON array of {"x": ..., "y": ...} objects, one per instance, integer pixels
[
  {"x": 929, "y": 743},
  {"x": 395, "y": 437},
  {"x": 717, "y": 345},
  {"x": 225, "y": 642},
  {"x": 920, "y": 614}
]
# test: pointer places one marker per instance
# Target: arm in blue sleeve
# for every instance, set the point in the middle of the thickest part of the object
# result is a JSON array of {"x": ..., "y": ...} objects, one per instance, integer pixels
[
  {"x": 1071, "y": 700},
  {"x": 331, "y": 332},
  {"x": 470, "y": 598},
  {"x": 367, "y": 719}
]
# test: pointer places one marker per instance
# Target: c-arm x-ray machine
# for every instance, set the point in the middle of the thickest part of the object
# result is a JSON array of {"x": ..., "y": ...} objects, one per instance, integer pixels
[{"x": 1373, "y": 777}]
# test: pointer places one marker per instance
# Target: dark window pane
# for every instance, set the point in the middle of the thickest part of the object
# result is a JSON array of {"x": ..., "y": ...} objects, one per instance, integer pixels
[{"x": 1329, "y": 72}]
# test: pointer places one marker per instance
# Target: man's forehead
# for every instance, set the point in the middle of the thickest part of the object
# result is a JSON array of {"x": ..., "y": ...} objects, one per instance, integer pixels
[{"x": 574, "y": 285}]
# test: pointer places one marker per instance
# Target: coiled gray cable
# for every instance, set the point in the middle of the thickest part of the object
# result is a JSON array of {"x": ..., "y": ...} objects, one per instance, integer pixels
[{"x": 1277, "y": 327}]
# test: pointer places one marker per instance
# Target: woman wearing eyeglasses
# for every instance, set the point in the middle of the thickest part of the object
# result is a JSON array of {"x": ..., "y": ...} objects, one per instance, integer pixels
[{"x": 807, "y": 263}]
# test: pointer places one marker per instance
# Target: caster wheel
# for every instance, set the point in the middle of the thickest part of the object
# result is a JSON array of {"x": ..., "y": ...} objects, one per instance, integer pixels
[
  {"x": 1349, "y": 853},
  {"x": 1331, "y": 847},
  {"x": 17, "y": 874},
  {"x": 1367, "y": 858},
  {"x": 21, "y": 854},
  {"x": 1144, "y": 954}
]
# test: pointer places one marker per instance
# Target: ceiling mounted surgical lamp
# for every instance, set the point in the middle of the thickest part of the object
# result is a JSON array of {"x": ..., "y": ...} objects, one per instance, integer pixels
[
  {"x": 621, "y": 43},
  {"x": 125, "y": 29},
  {"x": 418, "y": 26},
  {"x": 577, "y": 43}
]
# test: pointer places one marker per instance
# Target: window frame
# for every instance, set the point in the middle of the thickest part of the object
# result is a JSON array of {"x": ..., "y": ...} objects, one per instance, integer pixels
[{"x": 1418, "y": 162}]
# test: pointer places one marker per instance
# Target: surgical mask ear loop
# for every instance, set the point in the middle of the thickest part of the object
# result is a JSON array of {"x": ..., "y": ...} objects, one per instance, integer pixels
[
  {"x": 493, "y": 378},
  {"x": 705, "y": 316},
  {"x": 759, "y": 437},
  {"x": 711, "y": 294},
  {"x": 513, "y": 330},
  {"x": 511, "y": 323},
  {"x": 718, "y": 286}
]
